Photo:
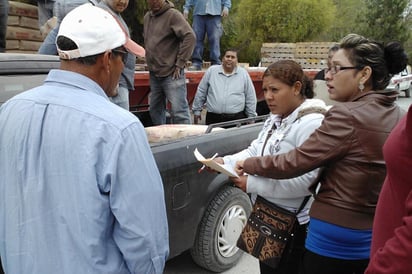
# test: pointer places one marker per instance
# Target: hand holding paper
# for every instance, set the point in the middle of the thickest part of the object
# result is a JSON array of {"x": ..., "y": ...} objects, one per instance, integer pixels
[
  {"x": 225, "y": 169},
  {"x": 203, "y": 167},
  {"x": 239, "y": 167}
]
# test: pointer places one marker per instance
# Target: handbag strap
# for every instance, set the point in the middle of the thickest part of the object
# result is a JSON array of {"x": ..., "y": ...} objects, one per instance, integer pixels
[{"x": 302, "y": 205}]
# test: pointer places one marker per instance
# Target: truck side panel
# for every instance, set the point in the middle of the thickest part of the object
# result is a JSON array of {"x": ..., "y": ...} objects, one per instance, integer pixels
[{"x": 187, "y": 193}]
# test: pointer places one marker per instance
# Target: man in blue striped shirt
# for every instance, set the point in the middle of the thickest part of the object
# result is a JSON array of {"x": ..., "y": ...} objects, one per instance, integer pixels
[{"x": 80, "y": 191}]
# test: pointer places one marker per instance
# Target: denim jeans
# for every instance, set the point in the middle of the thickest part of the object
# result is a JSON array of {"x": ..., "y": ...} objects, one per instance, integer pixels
[
  {"x": 61, "y": 8},
  {"x": 210, "y": 25},
  {"x": 49, "y": 44},
  {"x": 122, "y": 98},
  {"x": 45, "y": 10},
  {"x": 163, "y": 89},
  {"x": 4, "y": 9}
]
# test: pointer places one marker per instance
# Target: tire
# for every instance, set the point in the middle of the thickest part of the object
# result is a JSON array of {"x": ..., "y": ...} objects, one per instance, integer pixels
[{"x": 215, "y": 244}]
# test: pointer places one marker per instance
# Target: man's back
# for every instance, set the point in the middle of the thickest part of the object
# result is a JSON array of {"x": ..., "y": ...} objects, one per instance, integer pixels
[{"x": 70, "y": 198}]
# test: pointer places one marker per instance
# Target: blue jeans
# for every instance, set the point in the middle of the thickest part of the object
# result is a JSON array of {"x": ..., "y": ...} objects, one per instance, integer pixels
[
  {"x": 163, "y": 89},
  {"x": 49, "y": 44},
  {"x": 122, "y": 98},
  {"x": 61, "y": 8},
  {"x": 4, "y": 9},
  {"x": 45, "y": 10},
  {"x": 210, "y": 25}
]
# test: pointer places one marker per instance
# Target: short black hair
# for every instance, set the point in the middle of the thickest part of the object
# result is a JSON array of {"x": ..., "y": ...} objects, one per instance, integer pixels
[
  {"x": 65, "y": 43},
  {"x": 232, "y": 49}
]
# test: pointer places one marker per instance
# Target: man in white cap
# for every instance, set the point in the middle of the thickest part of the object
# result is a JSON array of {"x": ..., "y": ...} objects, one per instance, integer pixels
[{"x": 80, "y": 191}]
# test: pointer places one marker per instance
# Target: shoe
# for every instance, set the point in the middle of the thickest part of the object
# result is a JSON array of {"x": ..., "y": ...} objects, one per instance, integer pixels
[{"x": 194, "y": 68}]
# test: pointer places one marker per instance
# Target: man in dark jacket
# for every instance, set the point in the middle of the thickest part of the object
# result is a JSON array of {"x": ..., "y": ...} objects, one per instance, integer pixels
[{"x": 169, "y": 43}]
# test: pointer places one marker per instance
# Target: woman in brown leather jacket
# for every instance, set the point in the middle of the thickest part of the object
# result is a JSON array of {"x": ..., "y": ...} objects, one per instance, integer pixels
[{"x": 348, "y": 146}]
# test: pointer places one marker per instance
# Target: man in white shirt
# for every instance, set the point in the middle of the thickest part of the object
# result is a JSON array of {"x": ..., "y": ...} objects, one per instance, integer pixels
[{"x": 227, "y": 90}]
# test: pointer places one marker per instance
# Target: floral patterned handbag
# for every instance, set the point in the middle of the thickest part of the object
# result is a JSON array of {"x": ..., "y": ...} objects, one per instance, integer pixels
[{"x": 268, "y": 230}]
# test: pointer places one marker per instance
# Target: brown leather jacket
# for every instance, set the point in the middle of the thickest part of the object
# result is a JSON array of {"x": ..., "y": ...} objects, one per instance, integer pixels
[{"x": 348, "y": 145}]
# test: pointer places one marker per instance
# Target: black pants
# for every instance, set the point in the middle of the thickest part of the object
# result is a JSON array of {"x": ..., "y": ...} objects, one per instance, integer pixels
[
  {"x": 290, "y": 263},
  {"x": 212, "y": 118},
  {"x": 317, "y": 264}
]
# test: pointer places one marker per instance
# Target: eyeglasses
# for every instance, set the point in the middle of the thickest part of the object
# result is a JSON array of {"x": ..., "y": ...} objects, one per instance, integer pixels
[
  {"x": 335, "y": 69},
  {"x": 122, "y": 53}
]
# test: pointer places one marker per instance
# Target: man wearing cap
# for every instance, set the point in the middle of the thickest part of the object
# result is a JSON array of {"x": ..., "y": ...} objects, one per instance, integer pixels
[
  {"x": 126, "y": 82},
  {"x": 80, "y": 190},
  {"x": 169, "y": 42}
]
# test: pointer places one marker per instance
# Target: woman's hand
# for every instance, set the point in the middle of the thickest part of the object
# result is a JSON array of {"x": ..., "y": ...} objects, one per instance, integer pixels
[
  {"x": 240, "y": 182},
  {"x": 239, "y": 167}
]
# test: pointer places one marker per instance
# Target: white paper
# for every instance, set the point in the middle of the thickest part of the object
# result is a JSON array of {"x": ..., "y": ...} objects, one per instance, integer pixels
[{"x": 225, "y": 169}]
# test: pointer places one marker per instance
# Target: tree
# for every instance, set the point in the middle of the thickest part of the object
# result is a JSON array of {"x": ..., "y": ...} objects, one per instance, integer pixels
[
  {"x": 133, "y": 16},
  {"x": 257, "y": 21},
  {"x": 343, "y": 23},
  {"x": 386, "y": 20}
]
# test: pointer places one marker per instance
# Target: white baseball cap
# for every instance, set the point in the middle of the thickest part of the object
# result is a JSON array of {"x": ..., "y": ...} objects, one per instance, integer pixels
[{"x": 94, "y": 31}]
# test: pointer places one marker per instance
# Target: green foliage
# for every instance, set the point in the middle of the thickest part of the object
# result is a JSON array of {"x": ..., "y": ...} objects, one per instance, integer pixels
[
  {"x": 258, "y": 21},
  {"x": 344, "y": 21},
  {"x": 253, "y": 22},
  {"x": 386, "y": 20},
  {"x": 133, "y": 16}
]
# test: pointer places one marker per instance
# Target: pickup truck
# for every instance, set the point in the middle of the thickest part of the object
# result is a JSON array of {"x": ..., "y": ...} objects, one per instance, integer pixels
[
  {"x": 402, "y": 82},
  {"x": 205, "y": 211}
]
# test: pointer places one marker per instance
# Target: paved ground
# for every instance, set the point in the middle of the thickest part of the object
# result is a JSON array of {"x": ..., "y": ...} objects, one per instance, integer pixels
[
  {"x": 183, "y": 264},
  {"x": 404, "y": 102}
]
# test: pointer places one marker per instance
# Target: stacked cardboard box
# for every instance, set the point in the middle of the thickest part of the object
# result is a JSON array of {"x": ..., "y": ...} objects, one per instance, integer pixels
[
  {"x": 310, "y": 55},
  {"x": 23, "y": 34}
]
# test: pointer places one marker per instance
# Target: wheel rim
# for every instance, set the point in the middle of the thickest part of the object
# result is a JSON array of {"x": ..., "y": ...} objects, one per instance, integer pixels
[{"x": 229, "y": 230}]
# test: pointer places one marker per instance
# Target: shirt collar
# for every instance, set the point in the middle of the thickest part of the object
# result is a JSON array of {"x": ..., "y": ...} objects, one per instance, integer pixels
[
  {"x": 221, "y": 71},
  {"x": 76, "y": 80}
]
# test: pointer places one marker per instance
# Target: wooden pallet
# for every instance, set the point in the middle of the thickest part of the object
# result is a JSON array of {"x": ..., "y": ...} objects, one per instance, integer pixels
[{"x": 310, "y": 55}]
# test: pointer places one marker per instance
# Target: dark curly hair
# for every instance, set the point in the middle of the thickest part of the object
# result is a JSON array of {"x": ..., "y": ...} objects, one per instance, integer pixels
[{"x": 290, "y": 72}]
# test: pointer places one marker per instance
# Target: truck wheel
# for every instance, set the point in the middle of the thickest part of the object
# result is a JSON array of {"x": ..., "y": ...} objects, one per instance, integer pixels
[{"x": 215, "y": 244}]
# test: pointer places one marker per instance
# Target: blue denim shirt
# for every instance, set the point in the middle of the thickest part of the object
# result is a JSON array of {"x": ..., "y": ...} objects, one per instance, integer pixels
[
  {"x": 80, "y": 191},
  {"x": 207, "y": 7}
]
